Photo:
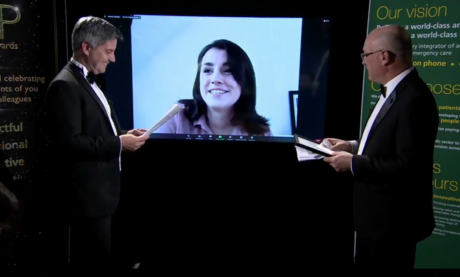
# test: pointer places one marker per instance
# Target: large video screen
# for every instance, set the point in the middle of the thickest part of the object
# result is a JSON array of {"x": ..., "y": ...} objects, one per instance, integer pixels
[{"x": 231, "y": 78}]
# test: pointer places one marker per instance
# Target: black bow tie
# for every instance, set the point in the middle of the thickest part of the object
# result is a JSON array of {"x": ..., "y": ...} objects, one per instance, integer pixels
[
  {"x": 91, "y": 77},
  {"x": 383, "y": 90}
]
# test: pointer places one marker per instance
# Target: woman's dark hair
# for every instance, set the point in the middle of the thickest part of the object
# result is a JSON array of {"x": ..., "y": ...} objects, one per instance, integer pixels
[{"x": 245, "y": 113}]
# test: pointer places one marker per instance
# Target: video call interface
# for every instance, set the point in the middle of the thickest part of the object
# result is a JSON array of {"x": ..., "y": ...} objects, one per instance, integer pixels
[{"x": 234, "y": 78}]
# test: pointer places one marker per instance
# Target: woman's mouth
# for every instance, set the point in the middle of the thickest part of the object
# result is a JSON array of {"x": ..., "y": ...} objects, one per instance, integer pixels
[{"x": 217, "y": 91}]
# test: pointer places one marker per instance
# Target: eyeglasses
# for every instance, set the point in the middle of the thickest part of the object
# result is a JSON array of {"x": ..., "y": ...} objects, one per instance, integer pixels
[{"x": 363, "y": 55}]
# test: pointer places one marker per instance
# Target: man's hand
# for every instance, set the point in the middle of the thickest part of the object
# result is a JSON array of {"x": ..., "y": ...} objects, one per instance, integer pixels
[
  {"x": 339, "y": 145},
  {"x": 340, "y": 161},
  {"x": 130, "y": 142},
  {"x": 137, "y": 132}
]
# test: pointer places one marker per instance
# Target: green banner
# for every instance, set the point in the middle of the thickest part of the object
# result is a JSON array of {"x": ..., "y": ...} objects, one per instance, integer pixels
[{"x": 434, "y": 26}]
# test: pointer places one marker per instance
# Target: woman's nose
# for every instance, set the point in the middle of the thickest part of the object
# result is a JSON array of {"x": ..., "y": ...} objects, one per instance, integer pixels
[{"x": 216, "y": 78}]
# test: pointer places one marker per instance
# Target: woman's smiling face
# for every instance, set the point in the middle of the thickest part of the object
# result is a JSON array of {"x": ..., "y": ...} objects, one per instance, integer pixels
[{"x": 218, "y": 87}]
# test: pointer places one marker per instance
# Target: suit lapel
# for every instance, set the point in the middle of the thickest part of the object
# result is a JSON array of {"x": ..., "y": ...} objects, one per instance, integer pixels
[
  {"x": 383, "y": 111},
  {"x": 79, "y": 76},
  {"x": 390, "y": 101},
  {"x": 114, "y": 117}
]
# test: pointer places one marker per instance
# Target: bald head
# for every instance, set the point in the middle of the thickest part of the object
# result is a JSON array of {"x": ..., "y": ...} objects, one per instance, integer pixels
[
  {"x": 393, "y": 38},
  {"x": 387, "y": 53}
]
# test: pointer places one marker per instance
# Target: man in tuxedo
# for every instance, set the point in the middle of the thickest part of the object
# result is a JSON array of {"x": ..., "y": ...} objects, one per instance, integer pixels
[
  {"x": 392, "y": 163},
  {"x": 86, "y": 143}
]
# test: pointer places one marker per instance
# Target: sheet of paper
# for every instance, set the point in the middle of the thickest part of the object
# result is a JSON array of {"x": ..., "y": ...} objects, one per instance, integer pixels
[
  {"x": 314, "y": 145},
  {"x": 172, "y": 112},
  {"x": 326, "y": 143},
  {"x": 325, "y": 148},
  {"x": 306, "y": 155}
]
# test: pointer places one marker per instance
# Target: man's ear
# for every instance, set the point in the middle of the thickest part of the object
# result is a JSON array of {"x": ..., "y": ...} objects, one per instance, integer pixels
[
  {"x": 387, "y": 57},
  {"x": 85, "y": 47}
]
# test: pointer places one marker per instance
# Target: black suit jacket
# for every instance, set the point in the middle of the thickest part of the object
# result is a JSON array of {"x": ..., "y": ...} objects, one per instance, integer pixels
[
  {"x": 84, "y": 149},
  {"x": 393, "y": 194}
]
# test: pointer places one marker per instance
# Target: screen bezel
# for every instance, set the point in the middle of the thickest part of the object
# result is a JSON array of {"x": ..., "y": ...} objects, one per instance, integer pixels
[
  {"x": 131, "y": 10},
  {"x": 293, "y": 95}
]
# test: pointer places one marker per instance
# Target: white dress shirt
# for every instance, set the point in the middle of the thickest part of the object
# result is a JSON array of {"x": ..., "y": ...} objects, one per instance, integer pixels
[
  {"x": 104, "y": 101},
  {"x": 390, "y": 86}
]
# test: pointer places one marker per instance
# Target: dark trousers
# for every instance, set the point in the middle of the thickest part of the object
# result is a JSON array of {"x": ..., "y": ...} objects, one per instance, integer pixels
[
  {"x": 90, "y": 244},
  {"x": 388, "y": 257}
]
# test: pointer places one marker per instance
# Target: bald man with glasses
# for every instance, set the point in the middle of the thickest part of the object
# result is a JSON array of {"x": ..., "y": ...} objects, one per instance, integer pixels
[{"x": 392, "y": 161}]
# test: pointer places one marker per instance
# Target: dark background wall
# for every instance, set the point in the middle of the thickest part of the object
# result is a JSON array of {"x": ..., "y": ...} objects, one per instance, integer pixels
[
  {"x": 224, "y": 207},
  {"x": 27, "y": 64}
]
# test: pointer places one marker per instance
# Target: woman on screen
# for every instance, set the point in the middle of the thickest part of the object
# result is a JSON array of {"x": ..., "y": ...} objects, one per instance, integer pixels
[{"x": 224, "y": 96}]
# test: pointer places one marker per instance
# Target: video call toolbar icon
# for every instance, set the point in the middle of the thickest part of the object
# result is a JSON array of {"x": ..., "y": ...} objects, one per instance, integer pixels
[{"x": 220, "y": 137}]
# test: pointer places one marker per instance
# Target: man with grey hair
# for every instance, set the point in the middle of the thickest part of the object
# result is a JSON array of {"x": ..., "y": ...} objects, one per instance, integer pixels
[
  {"x": 86, "y": 143},
  {"x": 392, "y": 162}
]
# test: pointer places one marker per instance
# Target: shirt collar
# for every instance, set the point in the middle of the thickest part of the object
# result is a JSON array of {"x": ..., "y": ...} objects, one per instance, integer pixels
[
  {"x": 391, "y": 85},
  {"x": 75, "y": 62},
  {"x": 202, "y": 123}
]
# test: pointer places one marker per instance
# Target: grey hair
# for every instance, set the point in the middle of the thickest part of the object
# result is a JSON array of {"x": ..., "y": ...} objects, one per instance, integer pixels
[
  {"x": 93, "y": 30},
  {"x": 398, "y": 41}
]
